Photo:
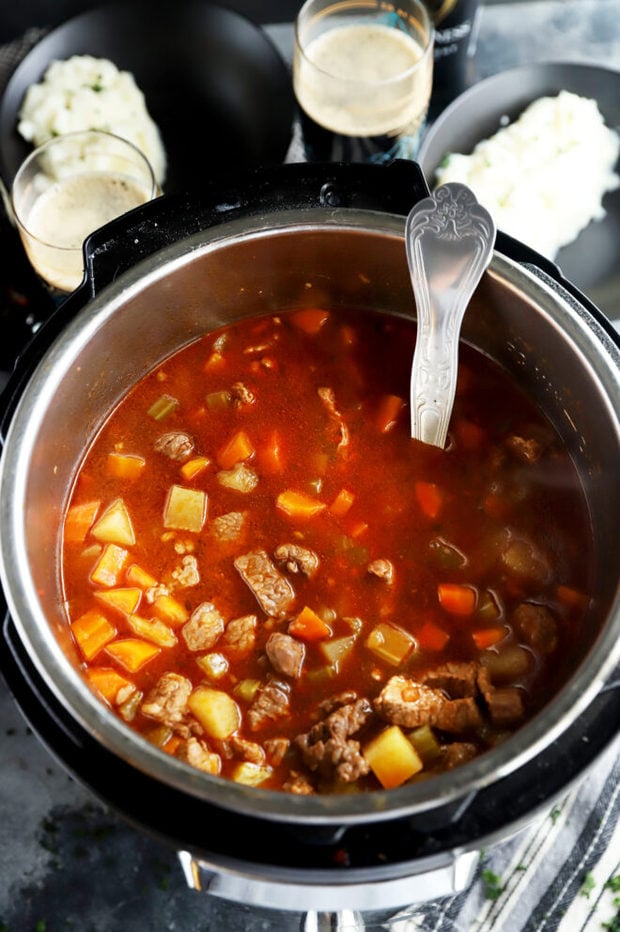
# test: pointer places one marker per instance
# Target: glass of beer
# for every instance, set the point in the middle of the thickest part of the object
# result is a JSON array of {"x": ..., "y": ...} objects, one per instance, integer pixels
[
  {"x": 362, "y": 74},
  {"x": 67, "y": 188}
]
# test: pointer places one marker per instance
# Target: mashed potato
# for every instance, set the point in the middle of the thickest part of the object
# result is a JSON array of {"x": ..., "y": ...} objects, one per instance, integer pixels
[
  {"x": 543, "y": 177},
  {"x": 82, "y": 93}
]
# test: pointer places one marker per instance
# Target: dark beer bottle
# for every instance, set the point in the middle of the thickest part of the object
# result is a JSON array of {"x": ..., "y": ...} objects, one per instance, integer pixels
[{"x": 455, "y": 24}]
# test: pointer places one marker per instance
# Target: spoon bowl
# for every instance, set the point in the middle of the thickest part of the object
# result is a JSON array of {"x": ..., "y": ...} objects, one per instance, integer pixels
[{"x": 449, "y": 239}]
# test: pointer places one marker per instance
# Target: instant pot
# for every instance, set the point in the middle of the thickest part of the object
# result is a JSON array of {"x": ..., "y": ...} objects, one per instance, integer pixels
[{"x": 158, "y": 278}]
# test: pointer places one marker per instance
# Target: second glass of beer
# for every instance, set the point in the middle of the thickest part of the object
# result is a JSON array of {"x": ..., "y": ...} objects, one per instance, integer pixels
[{"x": 362, "y": 74}]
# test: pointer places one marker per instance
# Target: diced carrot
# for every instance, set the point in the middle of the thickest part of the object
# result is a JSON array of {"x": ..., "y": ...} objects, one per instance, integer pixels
[
  {"x": 487, "y": 637},
  {"x": 469, "y": 435},
  {"x": 572, "y": 598},
  {"x": 136, "y": 576},
  {"x": 125, "y": 465},
  {"x": 132, "y": 653},
  {"x": 107, "y": 681},
  {"x": 108, "y": 568},
  {"x": 299, "y": 505},
  {"x": 194, "y": 467},
  {"x": 238, "y": 449},
  {"x": 355, "y": 529},
  {"x": 123, "y": 599},
  {"x": 214, "y": 361},
  {"x": 169, "y": 610},
  {"x": 430, "y": 498},
  {"x": 271, "y": 454},
  {"x": 92, "y": 631},
  {"x": 457, "y": 599},
  {"x": 79, "y": 520},
  {"x": 341, "y": 503},
  {"x": 310, "y": 320},
  {"x": 309, "y": 626},
  {"x": 432, "y": 637},
  {"x": 387, "y": 412},
  {"x": 172, "y": 744}
]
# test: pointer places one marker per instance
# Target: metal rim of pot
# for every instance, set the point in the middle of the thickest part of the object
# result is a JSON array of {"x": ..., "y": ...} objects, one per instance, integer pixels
[{"x": 588, "y": 336}]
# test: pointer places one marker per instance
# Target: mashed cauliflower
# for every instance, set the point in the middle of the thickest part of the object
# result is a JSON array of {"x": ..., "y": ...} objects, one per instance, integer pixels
[
  {"x": 83, "y": 93},
  {"x": 543, "y": 177}
]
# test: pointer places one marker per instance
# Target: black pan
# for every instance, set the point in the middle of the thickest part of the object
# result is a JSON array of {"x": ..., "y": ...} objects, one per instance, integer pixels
[
  {"x": 213, "y": 82},
  {"x": 592, "y": 261}
]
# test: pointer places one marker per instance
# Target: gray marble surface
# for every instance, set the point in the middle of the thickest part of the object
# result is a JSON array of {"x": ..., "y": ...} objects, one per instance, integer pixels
[{"x": 66, "y": 861}]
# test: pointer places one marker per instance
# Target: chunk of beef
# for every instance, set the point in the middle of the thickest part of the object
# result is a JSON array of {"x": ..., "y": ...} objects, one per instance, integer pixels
[
  {"x": 272, "y": 590},
  {"x": 404, "y": 702},
  {"x": 175, "y": 445},
  {"x": 271, "y": 702},
  {"x": 241, "y": 395},
  {"x": 228, "y": 526},
  {"x": 186, "y": 574},
  {"x": 327, "y": 706},
  {"x": 506, "y": 705},
  {"x": 297, "y": 559},
  {"x": 457, "y": 753},
  {"x": 195, "y": 752},
  {"x": 239, "y": 636},
  {"x": 328, "y": 397},
  {"x": 286, "y": 654},
  {"x": 246, "y": 750},
  {"x": 276, "y": 748},
  {"x": 298, "y": 784},
  {"x": 457, "y": 679},
  {"x": 328, "y": 747},
  {"x": 204, "y": 627},
  {"x": 538, "y": 626},
  {"x": 526, "y": 449},
  {"x": 167, "y": 701},
  {"x": 524, "y": 560},
  {"x": 154, "y": 592},
  {"x": 382, "y": 569}
]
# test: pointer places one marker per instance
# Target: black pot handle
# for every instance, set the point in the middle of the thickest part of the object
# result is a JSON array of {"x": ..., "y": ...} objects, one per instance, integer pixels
[{"x": 391, "y": 188}]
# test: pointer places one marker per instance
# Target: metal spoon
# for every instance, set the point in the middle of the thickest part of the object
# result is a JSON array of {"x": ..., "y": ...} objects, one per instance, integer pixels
[{"x": 449, "y": 238}]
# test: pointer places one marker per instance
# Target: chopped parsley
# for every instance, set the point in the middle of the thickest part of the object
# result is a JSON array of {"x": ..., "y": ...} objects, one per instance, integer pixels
[
  {"x": 588, "y": 885},
  {"x": 493, "y": 887}
]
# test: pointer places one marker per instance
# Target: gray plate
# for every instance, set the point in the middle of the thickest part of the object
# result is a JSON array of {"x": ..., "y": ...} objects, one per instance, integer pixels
[{"x": 592, "y": 261}]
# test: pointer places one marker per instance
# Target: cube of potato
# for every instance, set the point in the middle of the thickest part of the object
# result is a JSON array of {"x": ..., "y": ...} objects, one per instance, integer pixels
[
  {"x": 216, "y": 711},
  {"x": 185, "y": 509},
  {"x": 109, "y": 566},
  {"x": 251, "y": 774},
  {"x": 114, "y": 526},
  {"x": 335, "y": 650},
  {"x": 390, "y": 643},
  {"x": 392, "y": 757}
]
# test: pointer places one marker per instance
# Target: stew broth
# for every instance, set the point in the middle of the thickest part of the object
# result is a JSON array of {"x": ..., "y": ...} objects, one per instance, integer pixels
[{"x": 268, "y": 578}]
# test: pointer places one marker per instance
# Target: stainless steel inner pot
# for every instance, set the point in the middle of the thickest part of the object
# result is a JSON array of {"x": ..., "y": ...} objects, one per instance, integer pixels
[{"x": 551, "y": 344}]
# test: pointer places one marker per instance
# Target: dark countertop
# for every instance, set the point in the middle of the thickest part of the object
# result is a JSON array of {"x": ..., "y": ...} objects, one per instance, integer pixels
[{"x": 66, "y": 861}]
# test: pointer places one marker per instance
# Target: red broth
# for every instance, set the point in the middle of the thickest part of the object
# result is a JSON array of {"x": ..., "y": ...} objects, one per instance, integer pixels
[{"x": 268, "y": 578}]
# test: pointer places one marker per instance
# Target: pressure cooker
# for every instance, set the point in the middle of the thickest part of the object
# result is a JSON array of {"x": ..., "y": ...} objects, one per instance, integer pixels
[{"x": 155, "y": 280}]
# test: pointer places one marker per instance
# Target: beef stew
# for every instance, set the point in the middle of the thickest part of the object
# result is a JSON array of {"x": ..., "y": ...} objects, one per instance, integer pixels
[{"x": 266, "y": 577}]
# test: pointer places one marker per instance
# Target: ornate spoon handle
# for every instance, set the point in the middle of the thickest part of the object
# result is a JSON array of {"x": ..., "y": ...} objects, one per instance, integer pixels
[{"x": 449, "y": 239}]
